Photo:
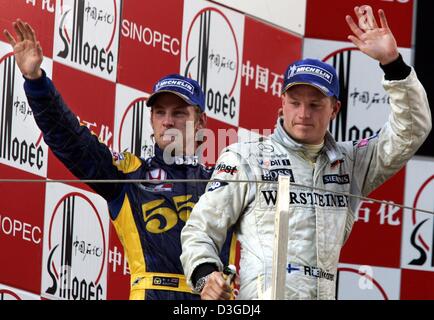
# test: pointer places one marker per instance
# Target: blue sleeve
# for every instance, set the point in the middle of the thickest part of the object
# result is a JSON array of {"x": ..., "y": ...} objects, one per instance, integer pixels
[{"x": 74, "y": 145}]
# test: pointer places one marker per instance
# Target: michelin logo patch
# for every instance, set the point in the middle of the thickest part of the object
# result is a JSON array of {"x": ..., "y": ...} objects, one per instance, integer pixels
[
  {"x": 175, "y": 83},
  {"x": 336, "y": 179},
  {"x": 217, "y": 185},
  {"x": 312, "y": 70}
]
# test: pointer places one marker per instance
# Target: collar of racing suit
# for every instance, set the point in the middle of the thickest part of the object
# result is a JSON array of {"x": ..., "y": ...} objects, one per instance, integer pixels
[
  {"x": 330, "y": 147},
  {"x": 174, "y": 160}
]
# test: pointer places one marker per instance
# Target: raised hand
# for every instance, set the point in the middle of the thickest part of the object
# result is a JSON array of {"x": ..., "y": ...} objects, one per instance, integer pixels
[
  {"x": 377, "y": 42},
  {"x": 27, "y": 50}
]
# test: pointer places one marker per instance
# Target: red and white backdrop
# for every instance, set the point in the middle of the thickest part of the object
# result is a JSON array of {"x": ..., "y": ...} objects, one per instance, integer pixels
[{"x": 105, "y": 56}]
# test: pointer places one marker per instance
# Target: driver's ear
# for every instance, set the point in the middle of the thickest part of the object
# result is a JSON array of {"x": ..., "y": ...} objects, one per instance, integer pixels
[
  {"x": 202, "y": 119},
  {"x": 336, "y": 107},
  {"x": 151, "y": 118}
]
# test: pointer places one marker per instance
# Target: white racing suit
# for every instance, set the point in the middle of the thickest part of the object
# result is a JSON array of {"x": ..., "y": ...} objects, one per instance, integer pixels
[{"x": 320, "y": 222}]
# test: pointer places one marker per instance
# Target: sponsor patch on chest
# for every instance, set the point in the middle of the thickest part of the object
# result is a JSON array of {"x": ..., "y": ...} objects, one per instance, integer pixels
[
  {"x": 273, "y": 175},
  {"x": 336, "y": 179},
  {"x": 217, "y": 185},
  {"x": 165, "y": 187},
  {"x": 165, "y": 282},
  {"x": 224, "y": 168}
]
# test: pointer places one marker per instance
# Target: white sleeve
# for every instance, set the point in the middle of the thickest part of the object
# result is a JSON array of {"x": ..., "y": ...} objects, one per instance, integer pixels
[
  {"x": 407, "y": 128},
  {"x": 216, "y": 211}
]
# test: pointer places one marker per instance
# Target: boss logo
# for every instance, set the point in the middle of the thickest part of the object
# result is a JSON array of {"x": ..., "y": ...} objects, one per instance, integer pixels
[{"x": 273, "y": 175}]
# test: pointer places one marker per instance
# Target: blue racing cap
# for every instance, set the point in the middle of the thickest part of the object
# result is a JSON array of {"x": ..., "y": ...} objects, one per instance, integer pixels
[
  {"x": 187, "y": 89},
  {"x": 314, "y": 73}
]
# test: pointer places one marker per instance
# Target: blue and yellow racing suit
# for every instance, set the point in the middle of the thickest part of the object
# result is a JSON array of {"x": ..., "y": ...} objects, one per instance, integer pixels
[{"x": 148, "y": 217}]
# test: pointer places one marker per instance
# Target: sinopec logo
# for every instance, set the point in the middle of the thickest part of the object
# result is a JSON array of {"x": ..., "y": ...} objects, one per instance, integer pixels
[
  {"x": 75, "y": 251},
  {"x": 365, "y": 104},
  {"x": 21, "y": 143},
  {"x": 86, "y": 35},
  {"x": 364, "y": 283},
  {"x": 135, "y": 130},
  {"x": 340, "y": 128},
  {"x": 8, "y": 295},
  {"x": 422, "y": 228},
  {"x": 212, "y": 42}
]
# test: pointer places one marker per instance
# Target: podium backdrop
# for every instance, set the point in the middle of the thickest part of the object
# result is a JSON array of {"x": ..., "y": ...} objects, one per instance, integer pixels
[{"x": 105, "y": 56}]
